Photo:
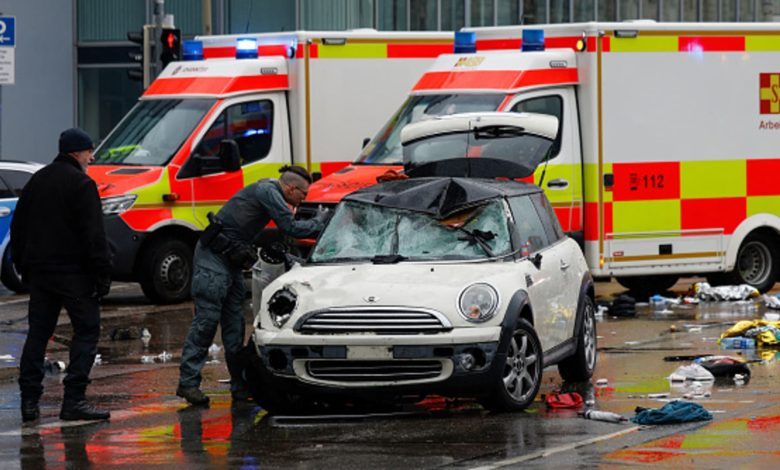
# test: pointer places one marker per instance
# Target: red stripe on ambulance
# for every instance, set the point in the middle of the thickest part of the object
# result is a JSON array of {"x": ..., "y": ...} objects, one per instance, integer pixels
[
  {"x": 417, "y": 51},
  {"x": 215, "y": 85},
  {"x": 494, "y": 79},
  {"x": 711, "y": 43}
]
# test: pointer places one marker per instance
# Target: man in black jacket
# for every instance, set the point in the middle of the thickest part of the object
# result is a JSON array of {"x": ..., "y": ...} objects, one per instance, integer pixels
[{"x": 60, "y": 247}]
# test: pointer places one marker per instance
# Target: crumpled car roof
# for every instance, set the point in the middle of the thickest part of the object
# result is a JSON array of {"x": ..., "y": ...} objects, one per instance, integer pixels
[{"x": 439, "y": 197}]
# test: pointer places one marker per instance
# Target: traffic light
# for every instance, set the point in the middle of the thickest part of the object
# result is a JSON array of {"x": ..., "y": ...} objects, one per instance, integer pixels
[
  {"x": 141, "y": 56},
  {"x": 170, "y": 46}
]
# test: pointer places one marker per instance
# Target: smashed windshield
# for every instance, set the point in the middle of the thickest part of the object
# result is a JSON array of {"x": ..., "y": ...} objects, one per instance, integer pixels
[
  {"x": 385, "y": 147},
  {"x": 152, "y": 133},
  {"x": 365, "y": 232},
  {"x": 505, "y": 143}
]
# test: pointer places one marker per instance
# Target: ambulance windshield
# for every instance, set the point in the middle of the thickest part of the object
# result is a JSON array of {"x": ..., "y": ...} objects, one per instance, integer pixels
[
  {"x": 152, "y": 133},
  {"x": 385, "y": 147}
]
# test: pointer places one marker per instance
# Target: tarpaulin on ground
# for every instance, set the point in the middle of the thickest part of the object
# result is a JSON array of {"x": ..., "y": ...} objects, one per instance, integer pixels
[
  {"x": 674, "y": 412},
  {"x": 704, "y": 291},
  {"x": 765, "y": 332}
]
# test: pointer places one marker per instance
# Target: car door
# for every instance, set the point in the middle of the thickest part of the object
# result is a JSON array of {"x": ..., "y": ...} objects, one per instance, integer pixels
[
  {"x": 11, "y": 184},
  {"x": 565, "y": 254},
  {"x": 563, "y": 173},
  {"x": 545, "y": 281},
  {"x": 257, "y": 125}
]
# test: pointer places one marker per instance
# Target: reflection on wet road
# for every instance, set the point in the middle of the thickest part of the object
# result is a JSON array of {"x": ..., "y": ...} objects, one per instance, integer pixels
[{"x": 150, "y": 426}]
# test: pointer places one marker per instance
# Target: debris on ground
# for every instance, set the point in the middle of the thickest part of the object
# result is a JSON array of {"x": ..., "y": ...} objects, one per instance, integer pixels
[
  {"x": 674, "y": 412},
  {"x": 602, "y": 382},
  {"x": 564, "y": 400},
  {"x": 125, "y": 333},
  {"x": 53, "y": 367},
  {"x": 704, "y": 291},
  {"x": 763, "y": 332},
  {"x": 691, "y": 372},
  {"x": 623, "y": 306},
  {"x": 723, "y": 366},
  {"x": 6, "y": 357},
  {"x": 98, "y": 360},
  {"x": 607, "y": 416},
  {"x": 773, "y": 302}
]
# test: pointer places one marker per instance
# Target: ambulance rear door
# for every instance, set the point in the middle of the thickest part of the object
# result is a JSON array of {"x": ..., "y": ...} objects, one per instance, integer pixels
[{"x": 563, "y": 173}]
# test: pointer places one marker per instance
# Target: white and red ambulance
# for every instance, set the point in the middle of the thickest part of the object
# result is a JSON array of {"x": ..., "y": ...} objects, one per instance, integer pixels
[
  {"x": 234, "y": 111},
  {"x": 668, "y": 150}
]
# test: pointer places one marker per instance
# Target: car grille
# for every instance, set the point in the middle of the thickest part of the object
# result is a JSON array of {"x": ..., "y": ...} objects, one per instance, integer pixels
[
  {"x": 348, "y": 371},
  {"x": 376, "y": 320}
]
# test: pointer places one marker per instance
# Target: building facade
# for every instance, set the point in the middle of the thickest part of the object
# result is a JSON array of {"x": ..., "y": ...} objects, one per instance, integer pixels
[{"x": 76, "y": 73}]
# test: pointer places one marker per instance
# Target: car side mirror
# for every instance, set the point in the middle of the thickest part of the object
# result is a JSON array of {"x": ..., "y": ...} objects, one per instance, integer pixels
[
  {"x": 316, "y": 176},
  {"x": 229, "y": 155},
  {"x": 537, "y": 260},
  {"x": 366, "y": 140}
]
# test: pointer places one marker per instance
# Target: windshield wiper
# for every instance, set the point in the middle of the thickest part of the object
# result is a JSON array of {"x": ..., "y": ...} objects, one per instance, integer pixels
[
  {"x": 480, "y": 237},
  {"x": 388, "y": 259}
]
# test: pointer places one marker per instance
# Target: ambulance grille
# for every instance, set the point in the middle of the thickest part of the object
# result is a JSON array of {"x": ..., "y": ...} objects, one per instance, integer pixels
[
  {"x": 374, "y": 371},
  {"x": 373, "y": 320}
]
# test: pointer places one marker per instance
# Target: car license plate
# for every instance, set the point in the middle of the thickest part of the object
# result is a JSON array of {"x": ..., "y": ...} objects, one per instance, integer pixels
[{"x": 369, "y": 352}]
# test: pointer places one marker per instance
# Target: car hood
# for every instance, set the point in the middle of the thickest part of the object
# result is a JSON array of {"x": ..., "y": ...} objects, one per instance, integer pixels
[
  {"x": 433, "y": 286},
  {"x": 113, "y": 180},
  {"x": 335, "y": 186}
]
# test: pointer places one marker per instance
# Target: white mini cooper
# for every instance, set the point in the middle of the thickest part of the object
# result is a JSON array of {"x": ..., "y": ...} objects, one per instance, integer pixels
[{"x": 446, "y": 285}]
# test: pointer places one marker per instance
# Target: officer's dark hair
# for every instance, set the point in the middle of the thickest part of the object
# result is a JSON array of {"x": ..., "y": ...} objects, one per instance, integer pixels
[{"x": 297, "y": 170}]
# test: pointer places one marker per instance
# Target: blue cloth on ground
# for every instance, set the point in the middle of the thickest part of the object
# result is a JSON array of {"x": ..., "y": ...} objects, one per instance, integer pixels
[{"x": 674, "y": 412}]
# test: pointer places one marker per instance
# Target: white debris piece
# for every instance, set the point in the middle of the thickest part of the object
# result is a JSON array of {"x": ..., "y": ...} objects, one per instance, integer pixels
[
  {"x": 6, "y": 357},
  {"x": 164, "y": 356},
  {"x": 98, "y": 360},
  {"x": 147, "y": 359},
  {"x": 720, "y": 293},
  {"x": 214, "y": 349},
  {"x": 602, "y": 382},
  {"x": 693, "y": 372}
]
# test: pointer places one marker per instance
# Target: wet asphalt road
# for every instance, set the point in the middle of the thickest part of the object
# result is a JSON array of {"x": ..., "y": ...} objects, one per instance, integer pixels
[{"x": 150, "y": 426}]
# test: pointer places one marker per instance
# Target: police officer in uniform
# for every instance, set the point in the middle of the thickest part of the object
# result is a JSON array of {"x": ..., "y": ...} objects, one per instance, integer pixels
[
  {"x": 225, "y": 250},
  {"x": 60, "y": 247}
]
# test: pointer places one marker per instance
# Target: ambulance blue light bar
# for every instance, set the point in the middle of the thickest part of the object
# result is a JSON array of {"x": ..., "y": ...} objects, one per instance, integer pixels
[
  {"x": 465, "y": 42},
  {"x": 533, "y": 40},
  {"x": 246, "y": 48},
  {"x": 192, "y": 50}
]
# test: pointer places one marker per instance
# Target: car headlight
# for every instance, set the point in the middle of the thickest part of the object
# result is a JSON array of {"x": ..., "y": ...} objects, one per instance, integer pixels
[
  {"x": 117, "y": 204},
  {"x": 478, "y": 302},
  {"x": 281, "y": 306}
]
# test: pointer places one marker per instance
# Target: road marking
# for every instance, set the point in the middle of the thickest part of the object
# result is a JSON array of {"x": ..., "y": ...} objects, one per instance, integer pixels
[{"x": 554, "y": 450}]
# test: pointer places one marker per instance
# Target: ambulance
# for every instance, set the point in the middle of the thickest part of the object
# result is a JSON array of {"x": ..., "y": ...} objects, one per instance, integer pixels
[
  {"x": 233, "y": 112},
  {"x": 668, "y": 151}
]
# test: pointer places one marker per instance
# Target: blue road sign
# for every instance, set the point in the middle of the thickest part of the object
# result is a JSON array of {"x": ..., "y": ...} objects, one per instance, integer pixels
[{"x": 7, "y": 31}]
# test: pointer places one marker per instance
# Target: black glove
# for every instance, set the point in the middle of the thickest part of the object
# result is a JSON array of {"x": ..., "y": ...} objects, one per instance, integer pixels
[{"x": 102, "y": 286}]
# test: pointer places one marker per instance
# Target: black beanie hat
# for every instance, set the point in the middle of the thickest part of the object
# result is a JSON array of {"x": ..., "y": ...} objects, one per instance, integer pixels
[{"x": 74, "y": 140}]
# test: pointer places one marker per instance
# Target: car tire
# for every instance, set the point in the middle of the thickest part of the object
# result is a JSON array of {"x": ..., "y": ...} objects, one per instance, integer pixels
[
  {"x": 166, "y": 271},
  {"x": 9, "y": 276},
  {"x": 582, "y": 364},
  {"x": 521, "y": 373}
]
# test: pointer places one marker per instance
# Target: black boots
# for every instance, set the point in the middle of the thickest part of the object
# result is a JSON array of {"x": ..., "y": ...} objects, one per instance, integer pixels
[
  {"x": 30, "y": 410},
  {"x": 81, "y": 410},
  {"x": 193, "y": 395}
]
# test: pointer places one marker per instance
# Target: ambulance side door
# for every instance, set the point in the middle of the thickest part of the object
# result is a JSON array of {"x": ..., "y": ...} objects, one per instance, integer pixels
[
  {"x": 563, "y": 176},
  {"x": 258, "y": 125}
]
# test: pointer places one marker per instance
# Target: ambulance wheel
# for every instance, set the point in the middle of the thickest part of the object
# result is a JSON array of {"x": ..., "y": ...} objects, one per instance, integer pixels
[
  {"x": 648, "y": 285},
  {"x": 9, "y": 276},
  {"x": 521, "y": 374},
  {"x": 757, "y": 261},
  {"x": 166, "y": 271}
]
